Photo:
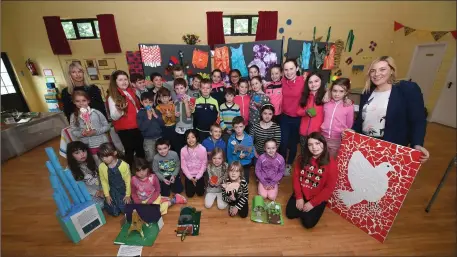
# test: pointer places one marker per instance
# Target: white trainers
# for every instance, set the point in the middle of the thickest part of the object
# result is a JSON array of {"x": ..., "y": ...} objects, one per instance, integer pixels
[{"x": 288, "y": 170}]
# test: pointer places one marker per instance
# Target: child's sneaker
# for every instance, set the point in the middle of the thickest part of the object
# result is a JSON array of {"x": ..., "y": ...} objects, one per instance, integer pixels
[
  {"x": 179, "y": 199},
  {"x": 288, "y": 170}
]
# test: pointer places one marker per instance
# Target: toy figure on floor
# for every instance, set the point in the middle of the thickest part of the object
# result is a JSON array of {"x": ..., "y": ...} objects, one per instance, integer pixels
[
  {"x": 137, "y": 224},
  {"x": 115, "y": 179}
]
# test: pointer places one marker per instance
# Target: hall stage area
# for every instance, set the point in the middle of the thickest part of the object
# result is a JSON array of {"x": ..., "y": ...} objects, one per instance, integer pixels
[{"x": 29, "y": 226}]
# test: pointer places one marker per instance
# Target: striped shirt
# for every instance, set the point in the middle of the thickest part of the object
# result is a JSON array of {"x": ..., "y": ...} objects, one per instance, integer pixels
[
  {"x": 228, "y": 113},
  {"x": 260, "y": 135},
  {"x": 241, "y": 195}
]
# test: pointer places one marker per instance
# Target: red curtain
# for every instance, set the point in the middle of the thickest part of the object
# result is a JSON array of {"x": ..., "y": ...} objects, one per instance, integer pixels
[
  {"x": 267, "y": 26},
  {"x": 56, "y": 35},
  {"x": 108, "y": 33},
  {"x": 215, "y": 28}
]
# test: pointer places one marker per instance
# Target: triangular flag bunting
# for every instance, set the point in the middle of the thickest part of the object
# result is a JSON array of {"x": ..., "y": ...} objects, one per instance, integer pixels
[
  {"x": 454, "y": 34},
  {"x": 409, "y": 30},
  {"x": 438, "y": 34},
  {"x": 397, "y": 26}
]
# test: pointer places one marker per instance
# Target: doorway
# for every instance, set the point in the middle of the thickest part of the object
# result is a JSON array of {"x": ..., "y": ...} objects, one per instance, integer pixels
[
  {"x": 424, "y": 66},
  {"x": 11, "y": 95},
  {"x": 444, "y": 111}
]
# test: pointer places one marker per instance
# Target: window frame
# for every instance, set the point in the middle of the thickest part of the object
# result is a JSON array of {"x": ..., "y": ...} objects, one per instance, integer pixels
[
  {"x": 241, "y": 17},
  {"x": 75, "y": 27}
]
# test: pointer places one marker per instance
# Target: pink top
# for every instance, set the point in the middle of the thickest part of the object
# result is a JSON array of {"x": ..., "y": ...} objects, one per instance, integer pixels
[
  {"x": 310, "y": 124},
  {"x": 217, "y": 85},
  {"x": 337, "y": 118},
  {"x": 145, "y": 191},
  {"x": 274, "y": 91},
  {"x": 194, "y": 161},
  {"x": 243, "y": 102},
  {"x": 291, "y": 94}
]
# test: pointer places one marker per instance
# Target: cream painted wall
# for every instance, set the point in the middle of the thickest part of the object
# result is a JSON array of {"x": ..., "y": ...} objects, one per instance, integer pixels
[{"x": 24, "y": 34}]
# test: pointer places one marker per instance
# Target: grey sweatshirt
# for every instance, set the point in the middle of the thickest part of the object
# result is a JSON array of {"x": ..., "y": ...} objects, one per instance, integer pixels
[
  {"x": 166, "y": 166},
  {"x": 220, "y": 172},
  {"x": 99, "y": 123}
]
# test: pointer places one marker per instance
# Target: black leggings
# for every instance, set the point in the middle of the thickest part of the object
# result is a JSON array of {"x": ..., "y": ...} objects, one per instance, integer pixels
[
  {"x": 199, "y": 188},
  {"x": 308, "y": 219},
  {"x": 243, "y": 213},
  {"x": 132, "y": 140}
]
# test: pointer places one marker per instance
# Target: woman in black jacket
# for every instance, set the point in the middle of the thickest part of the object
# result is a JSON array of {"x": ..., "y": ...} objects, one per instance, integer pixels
[{"x": 77, "y": 80}]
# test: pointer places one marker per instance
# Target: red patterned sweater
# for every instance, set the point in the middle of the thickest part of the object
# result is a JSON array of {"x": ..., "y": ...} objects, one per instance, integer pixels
[{"x": 315, "y": 184}]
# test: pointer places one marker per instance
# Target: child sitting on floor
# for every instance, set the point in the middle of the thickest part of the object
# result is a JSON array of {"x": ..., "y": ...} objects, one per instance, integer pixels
[
  {"x": 235, "y": 191},
  {"x": 214, "y": 140},
  {"x": 217, "y": 169}
]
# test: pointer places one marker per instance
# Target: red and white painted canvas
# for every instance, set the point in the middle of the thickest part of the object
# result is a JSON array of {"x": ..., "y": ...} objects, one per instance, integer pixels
[{"x": 374, "y": 177}]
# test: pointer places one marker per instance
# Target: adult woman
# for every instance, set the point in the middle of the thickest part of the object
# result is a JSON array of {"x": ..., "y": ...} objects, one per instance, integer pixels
[
  {"x": 292, "y": 88},
  {"x": 392, "y": 110},
  {"x": 76, "y": 80}
]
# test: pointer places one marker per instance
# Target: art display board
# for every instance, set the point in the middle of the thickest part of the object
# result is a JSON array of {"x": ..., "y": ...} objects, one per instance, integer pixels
[
  {"x": 374, "y": 177},
  {"x": 276, "y": 46},
  {"x": 157, "y": 57},
  {"x": 295, "y": 48}
]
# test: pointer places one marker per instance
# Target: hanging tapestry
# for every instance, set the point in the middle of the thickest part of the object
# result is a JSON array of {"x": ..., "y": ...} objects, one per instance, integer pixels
[
  {"x": 238, "y": 62},
  {"x": 221, "y": 59},
  {"x": 374, "y": 177},
  {"x": 200, "y": 59},
  {"x": 134, "y": 62},
  {"x": 329, "y": 59},
  {"x": 151, "y": 55},
  {"x": 264, "y": 58}
]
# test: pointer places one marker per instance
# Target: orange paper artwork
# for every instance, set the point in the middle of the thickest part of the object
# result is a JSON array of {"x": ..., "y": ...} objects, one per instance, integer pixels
[
  {"x": 200, "y": 59},
  {"x": 221, "y": 59}
]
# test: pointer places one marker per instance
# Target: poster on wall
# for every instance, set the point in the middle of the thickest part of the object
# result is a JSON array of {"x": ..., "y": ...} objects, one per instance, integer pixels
[
  {"x": 241, "y": 56},
  {"x": 374, "y": 177},
  {"x": 162, "y": 58}
]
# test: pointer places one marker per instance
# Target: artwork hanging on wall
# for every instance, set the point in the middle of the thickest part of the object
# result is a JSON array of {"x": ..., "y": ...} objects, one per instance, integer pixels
[
  {"x": 134, "y": 62},
  {"x": 90, "y": 63},
  {"x": 374, "y": 177},
  {"x": 102, "y": 63}
]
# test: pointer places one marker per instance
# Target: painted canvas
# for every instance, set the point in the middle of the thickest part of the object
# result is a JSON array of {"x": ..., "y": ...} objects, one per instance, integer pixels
[{"x": 374, "y": 177}]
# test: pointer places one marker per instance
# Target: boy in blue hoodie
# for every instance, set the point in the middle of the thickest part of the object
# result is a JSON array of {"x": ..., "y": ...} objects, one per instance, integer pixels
[
  {"x": 240, "y": 146},
  {"x": 150, "y": 124},
  {"x": 214, "y": 140}
]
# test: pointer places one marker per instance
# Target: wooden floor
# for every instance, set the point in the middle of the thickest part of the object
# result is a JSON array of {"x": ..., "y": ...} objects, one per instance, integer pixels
[{"x": 29, "y": 226}]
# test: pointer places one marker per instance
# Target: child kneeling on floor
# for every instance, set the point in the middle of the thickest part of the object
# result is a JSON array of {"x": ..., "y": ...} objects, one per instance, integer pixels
[
  {"x": 236, "y": 192},
  {"x": 146, "y": 188},
  {"x": 217, "y": 169},
  {"x": 269, "y": 169}
]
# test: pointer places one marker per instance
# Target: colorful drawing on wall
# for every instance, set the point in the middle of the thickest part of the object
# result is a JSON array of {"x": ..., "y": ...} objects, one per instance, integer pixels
[
  {"x": 134, "y": 62},
  {"x": 48, "y": 72},
  {"x": 349, "y": 60},
  {"x": 150, "y": 55},
  {"x": 374, "y": 178},
  {"x": 200, "y": 59}
]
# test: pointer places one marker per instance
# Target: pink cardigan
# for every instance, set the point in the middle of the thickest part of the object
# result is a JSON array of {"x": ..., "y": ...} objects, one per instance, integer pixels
[
  {"x": 194, "y": 161},
  {"x": 337, "y": 118}
]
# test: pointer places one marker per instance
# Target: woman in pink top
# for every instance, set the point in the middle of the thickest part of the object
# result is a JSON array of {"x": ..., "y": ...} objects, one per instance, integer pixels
[
  {"x": 243, "y": 99},
  {"x": 311, "y": 107},
  {"x": 292, "y": 88},
  {"x": 193, "y": 164},
  {"x": 337, "y": 115}
]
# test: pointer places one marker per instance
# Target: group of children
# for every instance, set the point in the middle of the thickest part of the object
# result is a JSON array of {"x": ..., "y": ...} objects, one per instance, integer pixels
[{"x": 206, "y": 124}]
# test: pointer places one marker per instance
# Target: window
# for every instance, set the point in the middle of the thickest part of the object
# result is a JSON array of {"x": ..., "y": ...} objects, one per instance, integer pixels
[
  {"x": 7, "y": 85},
  {"x": 240, "y": 25},
  {"x": 81, "y": 29}
]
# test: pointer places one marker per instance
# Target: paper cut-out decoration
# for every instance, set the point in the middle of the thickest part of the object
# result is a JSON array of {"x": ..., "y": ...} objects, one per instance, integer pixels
[
  {"x": 137, "y": 224},
  {"x": 150, "y": 55},
  {"x": 339, "y": 44},
  {"x": 373, "y": 45},
  {"x": 281, "y": 30},
  {"x": 357, "y": 68},
  {"x": 349, "y": 41},
  {"x": 329, "y": 60},
  {"x": 437, "y": 35},
  {"x": 349, "y": 61},
  {"x": 374, "y": 177},
  {"x": 200, "y": 59},
  {"x": 237, "y": 59},
  {"x": 221, "y": 59},
  {"x": 409, "y": 30},
  {"x": 360, "y": 51},
  {"x": 289, "y": 22}
]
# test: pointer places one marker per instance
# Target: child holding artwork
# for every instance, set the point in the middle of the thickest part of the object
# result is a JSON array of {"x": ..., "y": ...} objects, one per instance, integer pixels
[
  {"x": 217, "y": 87},
  {"x": 314, "y": 180},
  {"x": 83, "y": 167},
  {"x": 243, "y": 99},
  {"x": 123, "y": 107},
  {"x": 193, "y": 164},
  {"x": 240, "y": 146},
  {"x": 235, "y": 191},
  {"x": 183, "y": 113},
  {"x": 146, "y": 188},
  {"x": 168, "y": 110},
  {"x": 311, "y": 107},
  {"x": 150, "y": 124},
  {"x": 115, "y": 179},
  {"x": 166, "y": 166},
  {"x": 258, "y": 99},
  {"x": 87, "y": 124},
  {"x": 273, "y": 90},
  {"x": 206, "y": 112},
  {"x": 337, "y": 115},
  {"x": 214, "y": 140},
  {"x": 229, "y": 110},
  {"x": 217, "y": 169},
  {"x": 269, "y": 169}
]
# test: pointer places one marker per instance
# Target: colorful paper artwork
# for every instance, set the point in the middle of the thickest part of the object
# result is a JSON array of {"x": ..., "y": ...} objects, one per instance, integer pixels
[
  {"x": 134, "y": 62},
  {"x": 200, "y": 59},
  {"x": 150, "y": 55},
  {"x": 221, "y": 59},
  {"x": 374, "y": 177}
]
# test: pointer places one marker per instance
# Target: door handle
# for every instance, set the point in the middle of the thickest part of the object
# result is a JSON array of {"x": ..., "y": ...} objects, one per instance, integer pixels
[{"x": 449, "y": 85}]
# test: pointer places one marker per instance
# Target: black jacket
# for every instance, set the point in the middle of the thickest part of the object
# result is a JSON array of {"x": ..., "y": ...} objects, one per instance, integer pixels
[{"x": 95, "y": 95}]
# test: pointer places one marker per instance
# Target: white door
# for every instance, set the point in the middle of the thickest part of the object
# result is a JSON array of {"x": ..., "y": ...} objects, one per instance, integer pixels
[
  {"x": 444, "y": 111},
  {"x": 424, "y": 66}
]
